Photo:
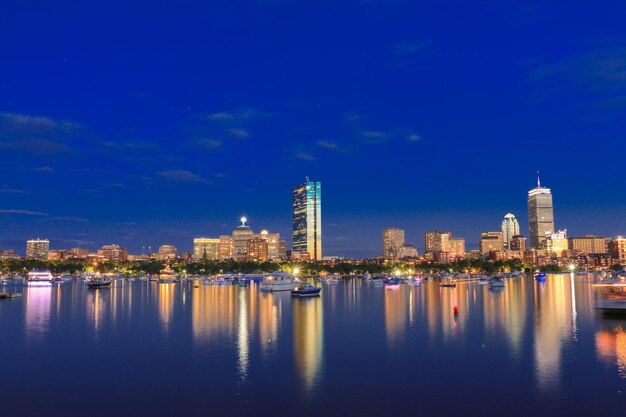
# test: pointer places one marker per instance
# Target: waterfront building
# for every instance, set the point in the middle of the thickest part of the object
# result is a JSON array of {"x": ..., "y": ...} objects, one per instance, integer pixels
[
  {"x": 518, "y": 243},
  {"x": 257, "y": 250},
  {"x": 393, "y": 240},
  {"x": 510, "y": 228},
  {"x": 240, "y": 237},
  {"x": 557, "y": 242},
  {"x": 588, "y": 244},
  {"x": 6, "y": 254},
  {"x": 205, "y": 248},
  {"x": 166, "y": 252},
  {"x": 408, "y": 250},
  {"x": 57, "y": 255},
  {"x": 275, "y": 246},
  {"x": 491, "y": 242},
  {"x": 617, "y": 248},
  {"x": 113, "y": 253},
  {"x": 79, "y": 253},
  {"x": 456, "y": 246},
  {"x": 307, "y": 219},
  {"x": 437, "y": 241},
  {"x": 540, "y": 215},
  {"x": 225, "y": 248},
  {"x": 37, "y": 248}
]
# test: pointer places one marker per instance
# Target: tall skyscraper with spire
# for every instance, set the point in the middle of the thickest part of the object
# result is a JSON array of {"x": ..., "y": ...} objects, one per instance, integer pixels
[
  {"x": 307, "y": 219},
  {"x": 540, "y": 215},
  {"x": 510, "y": 228}
]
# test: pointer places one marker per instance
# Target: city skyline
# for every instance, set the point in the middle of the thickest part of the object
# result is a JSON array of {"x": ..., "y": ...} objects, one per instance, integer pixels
[{"x": 179, "y": 132}]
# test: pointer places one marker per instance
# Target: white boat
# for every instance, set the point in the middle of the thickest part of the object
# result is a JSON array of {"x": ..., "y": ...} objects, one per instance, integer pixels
[
  {"x": 167, "y": 275},
  {"x": 280, "y": 281},
  {"x": 612, "y": 298},
  {"x": 39, "y": 278}
]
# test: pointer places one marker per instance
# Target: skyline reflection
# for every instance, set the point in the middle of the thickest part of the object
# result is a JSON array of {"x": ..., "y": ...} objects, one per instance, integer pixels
[{"x": 308, "y": 340}]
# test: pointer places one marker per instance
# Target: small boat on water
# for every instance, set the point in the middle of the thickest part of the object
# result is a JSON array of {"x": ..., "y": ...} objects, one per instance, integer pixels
[
  {"x": 541, "y": 277},
  {"x": 39, "y": 278},
  {"x": 99, "y": 282},
  {"x": 11, "y": 295},
  {"x": 448, "y": 284},
  {"x": 497, "y": 282},
  {"x": 306, "y": 290},
  {"x": 280, "y": 281},
  {"x": 167, "y": 275},
  {"x": 392, "y": 282}
]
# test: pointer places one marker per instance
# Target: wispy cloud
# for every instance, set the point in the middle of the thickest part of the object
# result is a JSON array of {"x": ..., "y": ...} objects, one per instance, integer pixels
[
  {"x": 23, "y": 212},
  {"x": 409, "y": 47},
  {"x": 238, "y": 132},
  {"x": 413, "y": 137},
  {"x": 43, "y": 169},
  {"x": 13, "y": 191},
  {"x": 182, "y": 176},
  {"x": 305, "y": 156},
  {"x": 128, "y": 145},
  {"x": 35, "y": 146},
  {"x": 33, "y": 124},
  {"x": 327, "y": 144},
  {"x": 240, "y": 114},
  {"x": 209, "y": 143}
]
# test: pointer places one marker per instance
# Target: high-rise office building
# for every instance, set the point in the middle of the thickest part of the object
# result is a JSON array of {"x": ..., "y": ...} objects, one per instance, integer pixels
[
  {"x": 540, "y": 215},
  {"x": 510, "y": 228},
  {"x": 275, "y": 246},
  {"x": 225, "y": 248},
  {"x": 393, "y": 240},
  {"x": 241, "y": 235},
  {"x": 307, "y": 219},
  {"x": 491, "y": 242},
  {"x": 257, "y": 249},
  {"x": 205, "y": 248},
  {"x": 37, "y": 248}
]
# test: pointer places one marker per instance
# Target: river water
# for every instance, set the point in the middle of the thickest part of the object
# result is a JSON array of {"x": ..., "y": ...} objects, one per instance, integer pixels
[{"x": 142, "y": 348}]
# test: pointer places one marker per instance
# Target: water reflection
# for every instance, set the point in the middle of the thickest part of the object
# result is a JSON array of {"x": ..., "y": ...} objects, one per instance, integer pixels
[
  {"x": 553, "y": 327},
  {"x": 37, "y": 312},
  {"x": 308, "y": 339},
  {"x": 611, "y": 347},
  {"x": 243, "y": 336},
  {"x": 166, "y": 304},
  {"x": 395, "y": 314}
]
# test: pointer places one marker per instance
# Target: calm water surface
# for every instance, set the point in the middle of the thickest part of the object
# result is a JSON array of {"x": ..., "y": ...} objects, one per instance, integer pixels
[{"x": 143, "y": 348}]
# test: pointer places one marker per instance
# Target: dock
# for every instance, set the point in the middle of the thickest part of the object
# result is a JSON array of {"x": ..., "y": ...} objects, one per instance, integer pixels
[{"x": 10, "y": 295}]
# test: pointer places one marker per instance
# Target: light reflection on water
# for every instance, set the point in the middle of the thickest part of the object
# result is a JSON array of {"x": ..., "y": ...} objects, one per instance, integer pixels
[{"x": 537, "y": 332}]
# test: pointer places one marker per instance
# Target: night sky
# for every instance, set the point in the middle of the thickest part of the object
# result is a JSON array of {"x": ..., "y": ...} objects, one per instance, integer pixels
[{"x": 155, "y": 122}]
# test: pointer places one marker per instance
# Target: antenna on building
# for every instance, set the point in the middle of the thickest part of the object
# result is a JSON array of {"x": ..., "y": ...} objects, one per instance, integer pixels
[{"x": 538, "y": 180}]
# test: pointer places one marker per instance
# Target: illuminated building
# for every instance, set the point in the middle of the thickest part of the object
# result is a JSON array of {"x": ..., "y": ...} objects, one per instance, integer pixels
[
  {"x": 307, "y": 219},
  {"x": 113, "y": 253},
  {"x": 617, "y": 248},
  {"x": 167, "y": 252},
  {"x": 393, "y": 240},
  {"x": 588, "y": 244},
  {"x": 540, "y": 215},
  {"x": 456, "y": 247},
  {"x": 275, "y": 246},
  {"x": 518, "y": 243},
  {"x": 491, "y": 242},
  {"x": 205, "y": 248},
  {"x": 408, "y": 250},
  {"x": 8, "y": 254},
  {"x": 37, "y": 248},
  {"x": 240, "y": 236},
  {"x": 436, "y": 243},
  {"x": 510, "y": 228},
  {"x": 225, "y": 248},
  {"x": 257, "y": 249},
  {"x": 557, "y": 242}
]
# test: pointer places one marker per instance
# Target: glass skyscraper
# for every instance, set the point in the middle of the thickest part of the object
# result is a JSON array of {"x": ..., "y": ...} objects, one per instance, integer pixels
[
  {"x": 540, "y": 215},
  {"x": 307, "y": 219}
]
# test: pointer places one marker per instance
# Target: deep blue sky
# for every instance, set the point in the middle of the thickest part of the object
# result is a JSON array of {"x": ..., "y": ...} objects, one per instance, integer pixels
[{"x": 142, "y": 123}]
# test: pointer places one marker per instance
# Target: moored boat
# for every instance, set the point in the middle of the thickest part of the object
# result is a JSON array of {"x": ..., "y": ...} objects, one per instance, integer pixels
[
  {"x": 306, "y": 290},
  {"x": 39, "y": 278},
  {"x": 280, "y": 281},
  {"x": 99, "y": 282},
  {"x": 167, "y": 275}
]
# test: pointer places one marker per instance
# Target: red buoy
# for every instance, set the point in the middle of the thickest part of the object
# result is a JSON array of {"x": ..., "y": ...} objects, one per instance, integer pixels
[{"x": 456, "y": 310}]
